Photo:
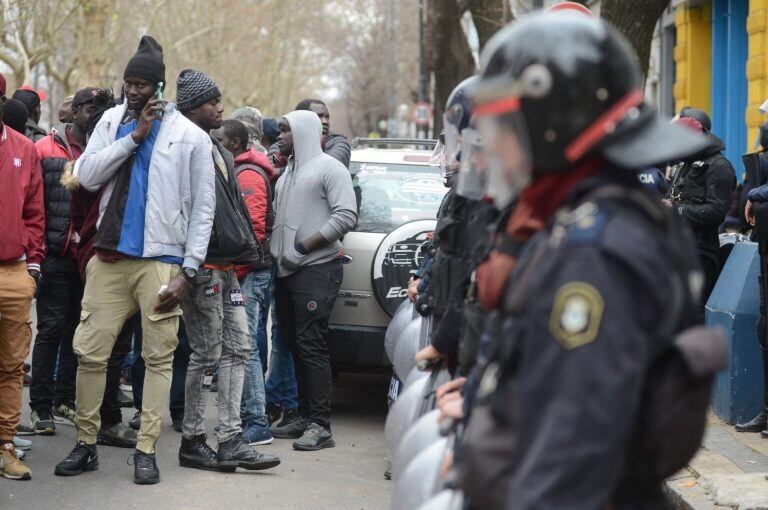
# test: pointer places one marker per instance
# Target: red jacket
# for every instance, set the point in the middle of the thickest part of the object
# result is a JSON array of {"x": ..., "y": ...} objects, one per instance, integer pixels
[
  {"x": 255, "y": 192},
  {"x": 22, "y": 209}
]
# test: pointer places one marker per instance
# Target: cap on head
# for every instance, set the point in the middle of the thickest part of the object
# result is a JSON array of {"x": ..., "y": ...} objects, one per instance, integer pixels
[
  {"x": 251, "y": 118},
  {"x": 194, "y": 88},
  {"x": 15, "y": 115},
  {"x": 40, "y": 92},
  {"x": 271, "y": 129},
  {"x": 147, "y": 64},
  {"x": 699, "y": 115},
  {"x": 572, "y": 7},
  {"x": 84, "y": 96}
]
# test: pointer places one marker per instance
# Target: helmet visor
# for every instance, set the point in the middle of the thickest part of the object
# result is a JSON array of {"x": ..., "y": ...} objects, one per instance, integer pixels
[
  {"x": 472, "y": 182},
  {"x": 452, "y": 138},
  {"x": 439, "y": 159},
  {"x": 508, "y": 153}
]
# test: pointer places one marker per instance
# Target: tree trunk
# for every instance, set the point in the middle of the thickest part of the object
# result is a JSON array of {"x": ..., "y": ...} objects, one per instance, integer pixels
[
  {"x": 448, "y": 54},
  {"x": 489, "y": 16},
  {"x": 637, "y": 23}
]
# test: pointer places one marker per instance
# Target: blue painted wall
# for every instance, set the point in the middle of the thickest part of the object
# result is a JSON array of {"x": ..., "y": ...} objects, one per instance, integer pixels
[
  {"x": 729, "y": 80},
  {"x": 734, "y": 305}
]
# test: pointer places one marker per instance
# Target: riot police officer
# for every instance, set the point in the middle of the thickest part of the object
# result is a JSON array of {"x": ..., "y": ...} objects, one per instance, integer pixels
[
  {"x": 597, "y": 293},
  {"x": 461, "y": 225}
]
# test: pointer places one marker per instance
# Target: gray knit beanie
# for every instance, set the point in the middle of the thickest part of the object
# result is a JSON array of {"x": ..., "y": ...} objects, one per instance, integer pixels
[{"x": 194, "y": 88}]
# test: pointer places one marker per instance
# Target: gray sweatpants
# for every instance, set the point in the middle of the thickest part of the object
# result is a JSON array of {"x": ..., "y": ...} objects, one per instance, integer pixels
[{"x": 217, "y": 328}]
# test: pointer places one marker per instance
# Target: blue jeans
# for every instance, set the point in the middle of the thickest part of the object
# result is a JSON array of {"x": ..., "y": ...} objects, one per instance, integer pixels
[
  {"x": 256, "y": 290},
  {"x": 281, "y": 381}
]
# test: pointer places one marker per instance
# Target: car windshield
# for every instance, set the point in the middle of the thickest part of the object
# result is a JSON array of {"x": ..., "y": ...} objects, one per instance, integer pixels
[{"x": 389, "y": 195}]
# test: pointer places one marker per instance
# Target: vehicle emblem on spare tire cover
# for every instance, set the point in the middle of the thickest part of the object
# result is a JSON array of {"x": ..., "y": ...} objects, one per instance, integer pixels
[{"x": 399, "y": 253}]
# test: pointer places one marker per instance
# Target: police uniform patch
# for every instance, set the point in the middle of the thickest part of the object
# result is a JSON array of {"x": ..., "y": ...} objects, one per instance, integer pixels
[{"x": 576, "y": 315}]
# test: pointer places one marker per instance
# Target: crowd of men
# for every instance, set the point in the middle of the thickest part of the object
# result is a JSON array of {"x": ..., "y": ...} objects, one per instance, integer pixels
[
  {"x": 135, "y": 211},
  {"x": 572, "y": 258}
]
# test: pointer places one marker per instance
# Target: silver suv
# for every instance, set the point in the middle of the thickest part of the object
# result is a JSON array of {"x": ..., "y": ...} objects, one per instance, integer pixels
[{"x": 398, "y": 195}]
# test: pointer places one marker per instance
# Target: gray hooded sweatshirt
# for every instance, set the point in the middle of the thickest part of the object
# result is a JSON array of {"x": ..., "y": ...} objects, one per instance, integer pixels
[{"x": 314, "y": 194}]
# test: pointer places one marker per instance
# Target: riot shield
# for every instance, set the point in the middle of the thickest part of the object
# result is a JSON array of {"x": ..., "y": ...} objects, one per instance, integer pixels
[{"x": 420, "y": 480}]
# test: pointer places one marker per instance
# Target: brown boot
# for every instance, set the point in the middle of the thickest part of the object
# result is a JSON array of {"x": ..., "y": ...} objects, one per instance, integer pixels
[{"x": 10, "y": 465}]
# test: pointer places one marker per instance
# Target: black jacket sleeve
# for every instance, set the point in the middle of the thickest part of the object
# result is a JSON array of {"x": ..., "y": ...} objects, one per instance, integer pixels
[{"x": 720, "y": 180}]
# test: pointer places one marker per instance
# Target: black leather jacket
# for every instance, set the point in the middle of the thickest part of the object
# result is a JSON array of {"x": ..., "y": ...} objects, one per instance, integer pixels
[
  {"x": 701, "y": 192},
  {"x": 232, "y": 237}
]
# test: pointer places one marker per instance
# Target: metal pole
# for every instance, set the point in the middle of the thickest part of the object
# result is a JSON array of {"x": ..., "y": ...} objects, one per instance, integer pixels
[
  {"x": 392, "y": 99},
  {"x": 422, "y": 69}
]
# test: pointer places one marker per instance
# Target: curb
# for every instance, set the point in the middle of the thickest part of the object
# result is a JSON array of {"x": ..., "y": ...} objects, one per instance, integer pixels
[{"x": 685, "y": 493}]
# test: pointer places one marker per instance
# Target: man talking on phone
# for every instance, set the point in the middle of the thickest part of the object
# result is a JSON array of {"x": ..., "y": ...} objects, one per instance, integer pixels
[{"x": 156, "y": 213}]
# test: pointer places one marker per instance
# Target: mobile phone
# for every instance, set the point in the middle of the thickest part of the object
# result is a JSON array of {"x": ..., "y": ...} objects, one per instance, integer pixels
[{"x": 159, "y": 95}]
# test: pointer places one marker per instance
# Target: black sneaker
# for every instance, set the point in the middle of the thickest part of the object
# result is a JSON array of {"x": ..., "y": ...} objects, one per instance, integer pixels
[
  {"x": 178, "y": 423},
  {"x": 195, "y": 453},
  {"x": 274, "y": 412},
  {"x": 42, "y": 422},
  {"x": 316, "y": 437},
  {"x": 135, "y": 422},
  {"x": 83, "y": 457},
  {"x": 236, "y": 451},
  {"x": 292, "y": 426},
  {"x": 145, "y": 470}
]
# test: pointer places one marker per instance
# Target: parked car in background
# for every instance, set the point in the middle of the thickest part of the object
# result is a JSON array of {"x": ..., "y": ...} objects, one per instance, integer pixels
[{"x": 398, "y": 195}]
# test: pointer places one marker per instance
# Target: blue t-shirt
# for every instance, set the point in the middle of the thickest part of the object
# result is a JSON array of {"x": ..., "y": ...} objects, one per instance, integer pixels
[{"x": 132, "y": 232}]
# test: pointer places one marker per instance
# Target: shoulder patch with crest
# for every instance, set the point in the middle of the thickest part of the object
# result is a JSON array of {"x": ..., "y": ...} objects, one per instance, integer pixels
[{"x": 576, "y": 315}]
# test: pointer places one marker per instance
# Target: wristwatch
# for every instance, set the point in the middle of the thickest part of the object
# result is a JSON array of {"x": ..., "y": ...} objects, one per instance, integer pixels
[{"x": 189, "y": 273}]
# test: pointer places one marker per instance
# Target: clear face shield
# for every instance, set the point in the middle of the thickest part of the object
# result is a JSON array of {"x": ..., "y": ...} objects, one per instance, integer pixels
[
  {"x": 504, "y": 130},
  {"x": 507, "y": 156},
  {"x": 472, "y": 182},
  {"x": 439, "y": 159}
]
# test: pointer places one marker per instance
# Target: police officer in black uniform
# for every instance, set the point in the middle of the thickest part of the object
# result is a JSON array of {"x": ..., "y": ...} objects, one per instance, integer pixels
[
  {"x": 702, "y": 185},
  {"x": 461, "y": 226},
  {"x": 596, "y": 296}
]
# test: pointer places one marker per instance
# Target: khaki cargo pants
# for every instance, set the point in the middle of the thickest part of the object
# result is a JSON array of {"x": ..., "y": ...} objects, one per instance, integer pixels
[
  {"x": 114, "y": 291},
  {"x": 16, "y": 291}
]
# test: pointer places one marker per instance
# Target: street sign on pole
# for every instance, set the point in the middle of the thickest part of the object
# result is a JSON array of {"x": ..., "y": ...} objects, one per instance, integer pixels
[{"x": 421, "y": 114}]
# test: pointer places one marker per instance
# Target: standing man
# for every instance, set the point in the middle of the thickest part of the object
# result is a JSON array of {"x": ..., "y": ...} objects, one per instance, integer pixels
[
  {"x": 253, "y": 121},
  {"x": 214, "y": 309},
  {"x": 22, "y": 247},
  {"x": 156, "y": 214},
  {"x": 254, "y": 175},
  {"x": 61, "y": 290},
  {"x": 333, "y": 144},
  {"x": 32, "y": 99},
  {"x": 701, "y": 190},
  {"x": 315, "y": 206}
]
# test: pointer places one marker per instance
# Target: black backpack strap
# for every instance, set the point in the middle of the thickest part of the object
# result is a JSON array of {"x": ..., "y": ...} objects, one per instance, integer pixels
[{"x": 268, "y": 184}]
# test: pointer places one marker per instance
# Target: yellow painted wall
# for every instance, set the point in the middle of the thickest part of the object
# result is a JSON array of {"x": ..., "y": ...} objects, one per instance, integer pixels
[
  {"x": 693, "y": 56},
  {"x": 757, "y": 67}
]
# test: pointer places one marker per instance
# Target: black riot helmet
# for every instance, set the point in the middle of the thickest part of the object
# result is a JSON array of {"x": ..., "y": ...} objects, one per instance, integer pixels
[
  {"x": 458, "y": 113},
  {"x": 560, "y": 87}
]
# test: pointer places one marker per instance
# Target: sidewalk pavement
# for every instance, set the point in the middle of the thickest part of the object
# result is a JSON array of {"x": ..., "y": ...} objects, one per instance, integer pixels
[{"x": 729, "y": 472}]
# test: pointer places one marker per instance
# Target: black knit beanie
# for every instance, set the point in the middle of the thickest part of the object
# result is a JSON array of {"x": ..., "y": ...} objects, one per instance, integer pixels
[
  {"x": 194, "y": 88},
  {"x": 147, "y": 63}
]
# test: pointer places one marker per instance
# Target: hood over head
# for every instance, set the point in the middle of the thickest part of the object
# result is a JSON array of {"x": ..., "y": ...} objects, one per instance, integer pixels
[{"x": 307, "y": 132}]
